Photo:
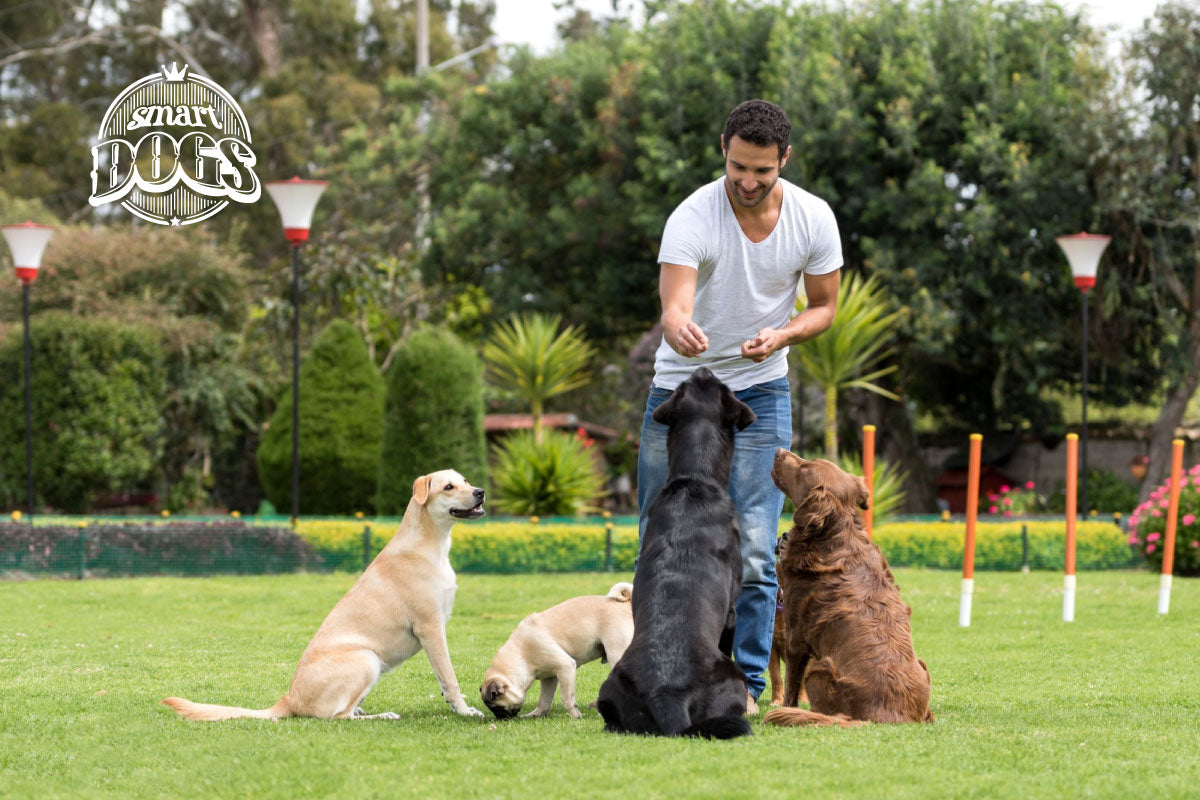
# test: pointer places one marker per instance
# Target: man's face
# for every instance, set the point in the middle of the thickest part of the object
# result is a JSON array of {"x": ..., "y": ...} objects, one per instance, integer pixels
[{"x": 751, "y": 171}]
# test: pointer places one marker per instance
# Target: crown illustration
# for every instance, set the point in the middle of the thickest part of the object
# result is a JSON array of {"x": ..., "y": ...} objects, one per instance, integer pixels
[{"x": 172, "y": 74}]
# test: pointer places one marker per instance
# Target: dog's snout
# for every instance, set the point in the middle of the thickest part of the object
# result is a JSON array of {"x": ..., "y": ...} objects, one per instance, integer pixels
[{"x": 478, "y": 494}]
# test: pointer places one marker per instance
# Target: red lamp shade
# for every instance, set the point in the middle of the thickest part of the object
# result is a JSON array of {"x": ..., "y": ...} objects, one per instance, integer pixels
[
  {"x": 1083, "y": 252},
  {"x": 27, "y": 242},
  {"x": 296, "y": 199}
]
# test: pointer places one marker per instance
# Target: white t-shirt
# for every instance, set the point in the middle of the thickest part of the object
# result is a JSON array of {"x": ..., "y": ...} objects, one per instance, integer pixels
[{"x": 742, "y": 286}]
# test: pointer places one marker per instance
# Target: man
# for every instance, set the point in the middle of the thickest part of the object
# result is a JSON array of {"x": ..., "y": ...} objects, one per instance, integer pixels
[{"x": 731, "y": 259}]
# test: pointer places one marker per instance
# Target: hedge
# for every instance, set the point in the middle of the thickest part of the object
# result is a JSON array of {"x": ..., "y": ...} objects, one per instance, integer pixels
[
  {"x": 566, "y": 547},
  {"x": 939, "y": 545},
  {"x": 486, "y": 547},
  {"x": 185, "y": 548}
]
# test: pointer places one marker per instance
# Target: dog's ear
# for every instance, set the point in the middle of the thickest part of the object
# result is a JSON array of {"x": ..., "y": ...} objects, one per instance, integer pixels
[
  {"x": 666, "y": 413},
  {"x": 421, "y": 489},
  {"x": 493, "y": 690},
  {"x": 864, "y": 495},
  {"x": 815, "y": 509},
  {"x": 736, "y": 413}
]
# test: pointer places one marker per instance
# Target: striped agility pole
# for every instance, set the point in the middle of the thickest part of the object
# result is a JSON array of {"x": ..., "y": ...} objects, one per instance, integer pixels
[{"x": 968, "y": 579}]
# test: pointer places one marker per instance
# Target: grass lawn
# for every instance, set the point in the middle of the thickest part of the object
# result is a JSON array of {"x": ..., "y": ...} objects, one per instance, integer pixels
[{"x": 1027, "y": 706}]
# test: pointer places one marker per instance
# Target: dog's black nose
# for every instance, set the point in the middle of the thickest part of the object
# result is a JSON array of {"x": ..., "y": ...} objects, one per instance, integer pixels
[{"x": 479, "y": 494}]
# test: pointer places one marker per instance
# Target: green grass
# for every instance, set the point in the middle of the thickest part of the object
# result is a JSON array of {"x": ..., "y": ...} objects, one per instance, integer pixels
[{"x": 1027, "y": 706}]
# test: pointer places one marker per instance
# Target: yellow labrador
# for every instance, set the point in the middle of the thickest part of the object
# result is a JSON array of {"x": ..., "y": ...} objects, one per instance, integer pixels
[
  {"x": 399, "y": 606},
  {"x": 549, "y": 645}
]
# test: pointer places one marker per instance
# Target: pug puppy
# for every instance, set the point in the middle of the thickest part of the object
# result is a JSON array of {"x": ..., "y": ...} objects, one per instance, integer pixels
[{"x": 550, "y": 645}]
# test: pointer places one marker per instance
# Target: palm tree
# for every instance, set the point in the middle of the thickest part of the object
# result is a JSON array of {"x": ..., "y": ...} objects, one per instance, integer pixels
[
  {"x": 842, "y": 357},
  {"x": 528, "y": 355}
]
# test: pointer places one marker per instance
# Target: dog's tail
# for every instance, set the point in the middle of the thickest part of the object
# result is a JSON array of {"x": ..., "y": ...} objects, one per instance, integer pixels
[
  {"x": 727, "y": 727},
  {"x": 204, "y": 712},
  {"x": 622, "y": 591},
  {"x": 795, "y": 717}
]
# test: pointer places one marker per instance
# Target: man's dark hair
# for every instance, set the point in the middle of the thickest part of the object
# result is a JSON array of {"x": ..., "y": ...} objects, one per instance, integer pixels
[{"x": 760, "y": 123}]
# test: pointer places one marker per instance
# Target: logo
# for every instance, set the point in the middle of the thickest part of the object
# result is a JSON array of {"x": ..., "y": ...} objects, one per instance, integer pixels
[{"x": 174, "y": 149}]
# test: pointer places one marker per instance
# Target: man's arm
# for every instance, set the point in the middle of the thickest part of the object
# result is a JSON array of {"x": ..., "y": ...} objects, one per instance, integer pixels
[
  {"x": 677, "y": 291},
  {"x": 822, "y": 291}
]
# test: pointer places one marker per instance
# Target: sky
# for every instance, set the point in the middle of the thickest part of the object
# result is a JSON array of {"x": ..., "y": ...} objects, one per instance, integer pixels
[{"x": 532, "y": 22}]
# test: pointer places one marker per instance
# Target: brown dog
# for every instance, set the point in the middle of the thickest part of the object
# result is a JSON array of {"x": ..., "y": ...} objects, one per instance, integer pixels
[
  {"x": 400, "y": 605},
  {"x": 849, "y": 641}
]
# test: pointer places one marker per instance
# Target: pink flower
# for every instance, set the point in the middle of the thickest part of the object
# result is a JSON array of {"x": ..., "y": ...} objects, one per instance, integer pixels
[
  {"x": 1195, "y": 470},
  {"x": 1188, "y": 519},
  {"x": 1154, "y": 512},
  {"x": 1008, "y": 513},
  {"x": 1150, "y": 548},
  {"x": 1153, "y": 537},
  {"x": 1005, "y": 488},
  {"x": 993, "y": 510},
  {"x": 1029, "y": 485},
  {"x": 1134, "y": 540},
  {"x": 1162, "y": 503},
  {"x": 1195, "y": 543}
]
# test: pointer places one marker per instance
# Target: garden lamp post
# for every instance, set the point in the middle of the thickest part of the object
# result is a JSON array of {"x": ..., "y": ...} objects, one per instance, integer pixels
[
  {"x": 27, "y": 242},
  {"x": 1083, "y": 252},
  {"x": 296, "y": 199}
]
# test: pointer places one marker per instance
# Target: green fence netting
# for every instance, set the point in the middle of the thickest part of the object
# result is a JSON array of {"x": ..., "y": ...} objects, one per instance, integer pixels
[{"x": 89, "y": 547}]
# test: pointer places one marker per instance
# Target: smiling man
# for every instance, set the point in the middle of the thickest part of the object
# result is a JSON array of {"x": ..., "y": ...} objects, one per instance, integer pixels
[{"x": 732, "y": 257}]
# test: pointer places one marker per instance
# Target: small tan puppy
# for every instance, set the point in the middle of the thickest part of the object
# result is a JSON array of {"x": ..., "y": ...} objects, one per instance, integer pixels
[
  {"x": 549, "y": 645},
  {"x": 400, "y": 605}
]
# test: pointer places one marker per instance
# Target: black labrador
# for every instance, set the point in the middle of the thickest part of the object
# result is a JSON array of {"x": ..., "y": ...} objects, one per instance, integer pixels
[{"x": 677, "y": 677}]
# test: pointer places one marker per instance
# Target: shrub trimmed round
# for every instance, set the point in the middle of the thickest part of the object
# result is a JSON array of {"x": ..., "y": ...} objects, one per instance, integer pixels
[
  {"x": 341, "y": 429},
  {"x": 433, "y": 416}
]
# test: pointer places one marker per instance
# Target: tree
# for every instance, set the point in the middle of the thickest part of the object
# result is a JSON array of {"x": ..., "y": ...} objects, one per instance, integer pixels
[
  {"x": 1150, "y": 179},
  {"x": 341, "y": 429},
  {"x": 847, "y": 356},
  {"x": 433, "y": 418},
  {"x": 529, "y": 356},
  {"x": 947, "y": 139}
]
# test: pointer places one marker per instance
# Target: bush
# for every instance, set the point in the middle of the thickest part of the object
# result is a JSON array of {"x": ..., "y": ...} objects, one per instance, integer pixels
[
  {"x": 1148, "y": 524},
  {"x": 557, "y": 477},
  {"x": 433, "y": 416},
  {"x": 1107, "y": 493},
  {"x": 98, "y": 394},
  {"x": 341, "y": 426},
  {"x": 1098, "y": 545},
  {"x": 486, "y": 546},
  {"x": 144, "y": 549}
]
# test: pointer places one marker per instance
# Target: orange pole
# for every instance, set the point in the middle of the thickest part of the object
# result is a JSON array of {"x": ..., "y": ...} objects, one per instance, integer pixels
[
  {"x": 1069, "y": 569},
  {"x": 1168, "y": 562},
  {"x": 972, "y": 504},
  {"x": 1173, "y": 509},
  {"x": 1072, "y": 483},
  {"x": 868, "y": 462},
  {"x": 968, "y": 580}
]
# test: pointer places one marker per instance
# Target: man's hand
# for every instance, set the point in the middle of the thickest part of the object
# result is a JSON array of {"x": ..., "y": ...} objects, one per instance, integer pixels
[
  {"x": 685, "y": 338},
  {"x": 766, "y": 342}
]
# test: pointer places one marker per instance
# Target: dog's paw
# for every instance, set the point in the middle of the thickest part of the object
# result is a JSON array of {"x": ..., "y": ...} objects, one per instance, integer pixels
[
  {"x": 574, "y": 712},
  {"x": 468, "y": 711},
  {"x": 387, "y": 715},
  {"x": 534, "y": 714}
]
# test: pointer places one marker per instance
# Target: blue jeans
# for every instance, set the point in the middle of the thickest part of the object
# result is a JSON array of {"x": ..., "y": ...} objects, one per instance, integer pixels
[{"x": 758, "y": 504}]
